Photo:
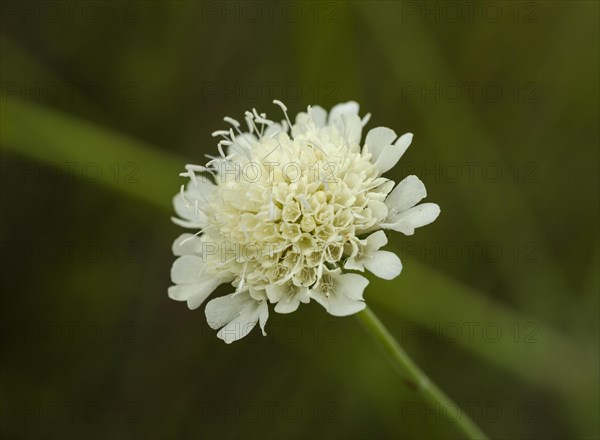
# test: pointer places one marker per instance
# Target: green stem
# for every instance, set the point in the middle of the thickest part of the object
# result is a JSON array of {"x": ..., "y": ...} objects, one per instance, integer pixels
[{"x": 412, "y": 374}]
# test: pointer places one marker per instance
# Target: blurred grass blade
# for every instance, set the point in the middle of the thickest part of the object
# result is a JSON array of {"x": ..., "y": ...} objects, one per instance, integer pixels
[
  {"x": 538, "y": 287},
  {"x": 522, "y": 345},
  {"x": 51, "y": 137},
  {"x": 536, "y": 353}
]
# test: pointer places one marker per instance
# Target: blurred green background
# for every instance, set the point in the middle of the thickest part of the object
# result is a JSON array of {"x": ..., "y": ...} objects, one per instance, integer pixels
[{"x": 104, "y": 102}]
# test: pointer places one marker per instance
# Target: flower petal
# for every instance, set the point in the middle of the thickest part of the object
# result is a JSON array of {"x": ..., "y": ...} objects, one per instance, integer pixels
[
  {"x": 378, "y": 138},
  {"x": 346, "y": 297},
  {"x": 287, "y": 296},
  {"x": 224, "y": 309},
  {"x": 379, "y": 210},
  {"x": 272, "y": 129},
  {"x": 189, "y": 206},
  {"x": 404, "y": 142},
  {"x": 376, "y": 240},
  {"x": 384, "y": 264},
  {"x": 236, "y": 315},
  {"x": 407, "y": 194},
  {"x": 341, "y": 305},
  {"x": 345, "y": 108},
  {"x": 352, "y": 284},
  {"x": 287, "y": 305},
  {"x": 318, "y": 115},
  {"x": 353, "y": 129},
  {"x": 186, "y": 244},
  {"x": 354, "y": 263},
  {"x": 275, "y": 292},
  {"x": 194, "y": 294},
  {"x": 187, "y": 270},
  {"x": 263, "y": 315},
  {"x": 391, "y": 154},
  {"x": 415, "y": 217},
  {"x": 238, "y": 328},
  {"x": 388, "y": 159}
]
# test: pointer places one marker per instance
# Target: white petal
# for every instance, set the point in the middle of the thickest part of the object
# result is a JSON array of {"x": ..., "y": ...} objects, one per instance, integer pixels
[
  {"x": 275, "y": 292},
  {"x": 347, "y": 298},
  {"x": 407, "y": 194},
  {"x": 353, "y": 129},
  {"x": 257, "y": 294},
  {"x": 388, "y": 159},
  {"x": 244, "y": 141},
  {"x": 224, "y": 309},
  {"x": 287, "y": 305},
  {"x": 352, "y": 284},
  {"x": 263, "y": 315},
  {"x": 194, "y": 294},
  {"x": 286, "y": 302},
  {"x": 340, "y": 305},
  {"x": 186, "y": 244},
  {"x": 385, "y": 187},
  {"x": 404, "y": 142},
  {"x": 377, "y": 138},
  {"x": 384, "y": 264},
  {"x": 391, "y": 154},
  {"x": 189, "y": 206},
  {"x": 376, "y": 240},
  {"x": 187, "y": 270},
  {"x": 237, "y": 314},
  {"x": 186, "y": 223},
  {"x": 272, "y": 129},
  {"x": 184, "y": 209},
  {"x": 353, "y": 263},
  {"x": 415, "y": 217},
  {"x": 238, "y": 328},
  {"x": 318, "y": 115},
  {"x": 318, "y": 296},
  {"x": 346, "y": 108},
  {"x": 379, "y": 210},
  {"x": 202, "y": 189}
]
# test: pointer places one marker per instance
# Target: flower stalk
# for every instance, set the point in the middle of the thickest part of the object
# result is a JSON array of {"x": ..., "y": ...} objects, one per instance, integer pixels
[{"x": 412, "y": 375}]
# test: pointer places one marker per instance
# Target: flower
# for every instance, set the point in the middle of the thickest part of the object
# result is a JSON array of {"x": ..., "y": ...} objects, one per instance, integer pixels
[{"x": 286, "y": 211}]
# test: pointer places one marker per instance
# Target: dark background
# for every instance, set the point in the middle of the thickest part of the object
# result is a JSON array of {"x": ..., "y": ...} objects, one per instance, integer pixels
[{"x": 104, "y": 102}]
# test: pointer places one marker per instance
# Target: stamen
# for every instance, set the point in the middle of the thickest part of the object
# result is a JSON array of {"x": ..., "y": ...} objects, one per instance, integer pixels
[
  {"x": 304, "y": 202},
  {"x": 366, "y": 118},
  {"x": 231, "y": 121},
  {"x": 224, "y": 133},
  {"x": 191, "y": 237},
  {"x": 250, "y": 120},
  {"x": 272, "y": 210},
  {"x": 324, "y": 180},
  {"x": 284, "y": 108},
  {"x": 345, "y": 124}
]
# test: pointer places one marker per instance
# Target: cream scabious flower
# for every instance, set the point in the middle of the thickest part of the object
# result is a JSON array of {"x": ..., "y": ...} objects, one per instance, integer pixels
[{"x": 286, "y": 211}]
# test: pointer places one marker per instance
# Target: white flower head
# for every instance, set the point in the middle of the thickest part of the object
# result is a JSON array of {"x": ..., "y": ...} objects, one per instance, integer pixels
[{"x": 286, "y": 211}]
